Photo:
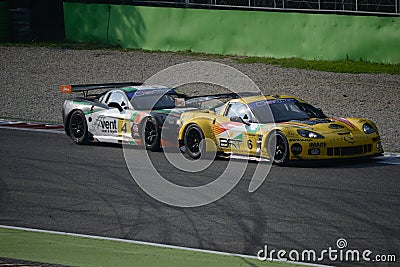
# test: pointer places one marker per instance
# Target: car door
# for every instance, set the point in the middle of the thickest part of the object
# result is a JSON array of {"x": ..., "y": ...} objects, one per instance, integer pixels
[
  {"x": 113, "y": 124},
  {"x": 242, "y": 129}
]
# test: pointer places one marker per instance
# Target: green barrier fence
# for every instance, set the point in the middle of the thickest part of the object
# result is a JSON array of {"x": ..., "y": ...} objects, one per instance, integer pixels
[{"x": 236, "y": 32}]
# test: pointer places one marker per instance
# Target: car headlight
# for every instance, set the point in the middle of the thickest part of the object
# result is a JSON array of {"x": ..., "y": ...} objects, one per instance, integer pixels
[
  {"x": 368, "y": 129},
  {"x": 309, "y": 134}
]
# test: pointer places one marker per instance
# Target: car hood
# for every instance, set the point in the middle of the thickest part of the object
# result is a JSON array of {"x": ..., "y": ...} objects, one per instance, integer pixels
[{"x": 327, "y": 125}]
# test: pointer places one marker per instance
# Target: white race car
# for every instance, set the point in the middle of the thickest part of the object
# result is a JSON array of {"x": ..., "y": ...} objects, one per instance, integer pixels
[{"x": 127, "y": 112}]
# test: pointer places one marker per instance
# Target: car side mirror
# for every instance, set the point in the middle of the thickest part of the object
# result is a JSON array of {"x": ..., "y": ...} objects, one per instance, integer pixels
[
  {"x": 115, "y": 105},
  {"x": 238, "y": 119}
]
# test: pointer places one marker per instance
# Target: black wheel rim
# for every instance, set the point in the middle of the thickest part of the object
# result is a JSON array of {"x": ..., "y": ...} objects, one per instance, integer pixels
[
  {"x": 77, "y": 126},
  {"x": 193, "y": 140},
  {"x": 150, "y": 133},
  {"x": 280, "y": 148}
]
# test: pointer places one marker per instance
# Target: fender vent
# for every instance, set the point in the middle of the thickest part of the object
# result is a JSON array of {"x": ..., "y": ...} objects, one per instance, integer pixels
[{"x": 335, "y": 126}]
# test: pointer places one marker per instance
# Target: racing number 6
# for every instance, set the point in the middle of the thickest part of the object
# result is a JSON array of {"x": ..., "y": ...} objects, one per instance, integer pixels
[{"x": 249, "y": 144}]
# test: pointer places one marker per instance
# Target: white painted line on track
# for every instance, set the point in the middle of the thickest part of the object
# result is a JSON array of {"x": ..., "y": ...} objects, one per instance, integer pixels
[
  {"x": 60, "y": 131},
  {"x": 389, "y": 158},
  {"x": 30, "y": 126},
  {"x": 151, "y": 244},
  {"x": 47, "y": 127}
]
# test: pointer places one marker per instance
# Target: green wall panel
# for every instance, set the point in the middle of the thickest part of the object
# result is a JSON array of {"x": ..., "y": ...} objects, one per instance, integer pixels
[
  {"x": 86, "y": 22},
  {"x": 249, "y": 33}
]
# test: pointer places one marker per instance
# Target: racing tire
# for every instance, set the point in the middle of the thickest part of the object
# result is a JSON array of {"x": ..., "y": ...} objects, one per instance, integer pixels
[
  {"x": 192, "y": 140},
  {"x": 151, "y": 134},
  {"x": 277, "y": 144},
  {"x": 77, "y": 126}
]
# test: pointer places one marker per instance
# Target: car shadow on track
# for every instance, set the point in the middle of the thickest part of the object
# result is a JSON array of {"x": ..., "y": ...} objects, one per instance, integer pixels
[
  {"x": 101, "y": 144},
  {"x": 353, "y": 163},
  {"x": 334, "y": 163}
]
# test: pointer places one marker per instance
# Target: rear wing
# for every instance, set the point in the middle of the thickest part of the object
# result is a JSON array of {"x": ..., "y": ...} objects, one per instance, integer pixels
[
  {"x": 85, "y": 88},
  {"x": 202, "y": 98}
]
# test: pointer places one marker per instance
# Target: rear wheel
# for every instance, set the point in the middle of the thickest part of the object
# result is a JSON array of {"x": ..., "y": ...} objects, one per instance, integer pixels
[
  {"x": 278, "y": 148},
  {"x": 78, "y": 130},
  {"x": 192, "y": 140},
  {"x": 151, "y": 134}
]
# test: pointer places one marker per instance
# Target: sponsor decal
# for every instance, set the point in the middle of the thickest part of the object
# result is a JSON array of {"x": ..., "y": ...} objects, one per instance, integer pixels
[
  {"x": 311, "y": 122},
  {"x": 269, "y": 102},
  {"x": 218, "y": 129},
  {"x": 296, "y": 149},
  {"x": 254, "y": 128},
  {"x": 106, "y": 126},
  {"x": 135, "y": 130},
  {"x": 66, "y": 89},
  {"x": 319, "y": 144},
  {"x": 136, "y": 117},
  {"x": 300, "y": 140},
  {"x": 228, "y": 143},
  {"x": 158, "y": 91}
]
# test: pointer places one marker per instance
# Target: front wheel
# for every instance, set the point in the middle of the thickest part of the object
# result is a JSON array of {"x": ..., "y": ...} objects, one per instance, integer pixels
[
  {"x": 78, "y": 130},
  {"x": 192, "y": 140},
  {"x": 278, "y": 148}
]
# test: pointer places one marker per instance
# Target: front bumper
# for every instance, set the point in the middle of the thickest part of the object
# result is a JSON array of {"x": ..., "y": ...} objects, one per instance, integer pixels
[{"x": 335, "y": 150}]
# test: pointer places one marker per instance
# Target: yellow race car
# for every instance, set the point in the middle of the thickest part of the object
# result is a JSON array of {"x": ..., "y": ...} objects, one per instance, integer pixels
[{"x": 280, "y": 128}]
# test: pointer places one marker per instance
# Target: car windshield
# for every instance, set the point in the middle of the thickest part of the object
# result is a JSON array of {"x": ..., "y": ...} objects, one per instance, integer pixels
[
  {"x": 284, "y": 110},
  {"x": 154, "y": 101},
  {"x": 214, "y": 104}
]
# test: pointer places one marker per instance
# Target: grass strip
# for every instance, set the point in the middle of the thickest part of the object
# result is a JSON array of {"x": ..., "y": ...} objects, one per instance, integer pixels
[
  {"x": 339, "y": 66},
  {"x": 83, "y": 251}
]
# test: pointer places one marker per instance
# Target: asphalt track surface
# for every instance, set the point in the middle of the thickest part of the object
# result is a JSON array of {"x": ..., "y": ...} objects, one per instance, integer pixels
[{"x": 48, "y": 182}]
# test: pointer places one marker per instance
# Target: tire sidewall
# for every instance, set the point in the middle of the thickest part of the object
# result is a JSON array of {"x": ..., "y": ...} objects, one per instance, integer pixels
[
  {"x": 194, "y": 155},
  {"x": 156, "y": 144},
  {"x": 285, "y": 159},
  {"x": 84, "y": 138}
]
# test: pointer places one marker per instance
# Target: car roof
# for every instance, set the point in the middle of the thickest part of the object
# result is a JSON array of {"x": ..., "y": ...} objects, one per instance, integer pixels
[
  {"x": 143, "y": 87},
  {"x": 251, "y": 99}
]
